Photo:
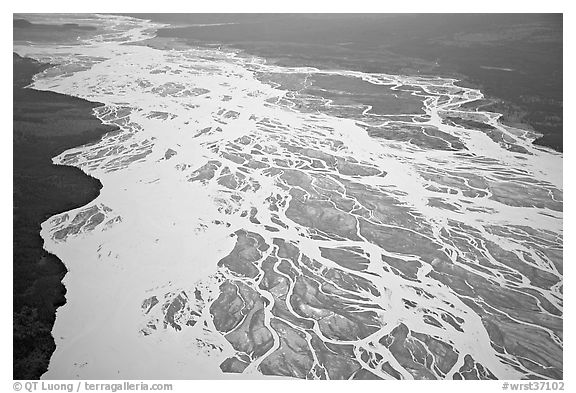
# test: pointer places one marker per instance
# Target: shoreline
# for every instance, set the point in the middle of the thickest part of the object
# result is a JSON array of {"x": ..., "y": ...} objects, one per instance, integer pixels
[
  {"x": 489, "y": 103},
  {"x": 528, "y": 106},
  {"x": 505, "y": 109},
  {"x": 42, "y": 189}
]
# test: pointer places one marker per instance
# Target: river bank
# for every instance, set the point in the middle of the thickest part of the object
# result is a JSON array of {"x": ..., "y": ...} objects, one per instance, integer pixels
[{"x": 45, "y": 124}]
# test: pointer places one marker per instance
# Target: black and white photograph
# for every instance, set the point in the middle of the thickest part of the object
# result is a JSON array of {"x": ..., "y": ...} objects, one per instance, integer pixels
[{"x": 291, "y": 195}]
